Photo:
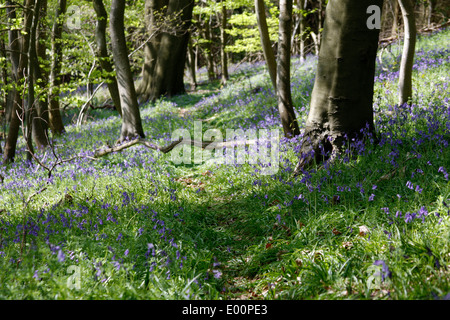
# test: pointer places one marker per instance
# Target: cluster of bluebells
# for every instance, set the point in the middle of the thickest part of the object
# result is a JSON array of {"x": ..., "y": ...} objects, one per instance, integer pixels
[
  {"x": 421, "y": 214},
  {"x": 431, "y": 125},
  {"x": 94, "y": 220}
]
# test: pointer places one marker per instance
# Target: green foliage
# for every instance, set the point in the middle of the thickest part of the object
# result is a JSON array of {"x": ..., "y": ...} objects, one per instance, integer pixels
[
  {"x": 244, "y": 30},
  {"x": 329, "y": 234},
  {"x": 226, "y": 230}
]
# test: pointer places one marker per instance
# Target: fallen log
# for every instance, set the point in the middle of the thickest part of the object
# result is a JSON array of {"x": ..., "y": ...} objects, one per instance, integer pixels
[{"x": 201, "y": 144}]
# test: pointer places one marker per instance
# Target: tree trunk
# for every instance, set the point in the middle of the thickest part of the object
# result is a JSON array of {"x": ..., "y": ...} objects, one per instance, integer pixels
[
  {"x": 192, "y": 65},
  {"x": 168, "y": 77},
  {"x": 18, "y": 56},
  {"x": 165, "y": 57},
  {"x": 152, "y": 9},
  {"x": 269, "y": 55},
  {"x": 131, "y": 118},
  {"x": 55, "y": 119},
  {"x": 31, "y": 110},
  {"x": 223, "y": 39},
  {"x": 319, "y": 27},
  {"x": 285, "y": 105},
  {"x": 14, "y": 54},
  {"x": 40, "y": 112},
  {"x": 208, "y": 50},
  {"x": 302, "y": 6},
  {"x": 394, "y": 17},
  {"x": 102, "y": 53},
  {"x": 409, "y": 46},
  {"x": 431, "y": 6},
  {"x": 341, "y": 102}
]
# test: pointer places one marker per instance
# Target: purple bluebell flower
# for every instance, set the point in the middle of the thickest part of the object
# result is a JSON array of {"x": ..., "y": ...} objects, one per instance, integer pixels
[
  {"x": 385, "y": 273},
  {"x": 61, "y": 256},
  {"x": 217, "y": 274}
]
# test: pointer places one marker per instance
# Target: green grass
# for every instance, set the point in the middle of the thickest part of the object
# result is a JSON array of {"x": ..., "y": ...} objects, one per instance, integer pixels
[{"x": 322, "y": 235}]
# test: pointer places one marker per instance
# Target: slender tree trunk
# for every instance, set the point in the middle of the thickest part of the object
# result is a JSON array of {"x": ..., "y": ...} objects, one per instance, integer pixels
[
  {"x": 285, "y": 105},
  {"x": 409, "y": 46},
  {"x": 302, "y": 6},
  {"x": 319, "y": 33},
  {"x": 223, "y": 38},
  {"x": 394, "y": 17},
  {"x": 102, "y": 53},
  {"x": 269, "y": 55},
  {"x": 208, "y": 50},
  {"x": 341, "y": 102},
  {"x": 22, "y": 60},
  {"x": 40, "y": 112},
  {"x": 192, "y": 65},
  {"x": 131, "y": 118},
  {"x": 14, "y": 54},
  {"x": 31, "y": 110},
  {"x": 55, "y": 119},
  {"x": 5, "y": 79},
  {"x": 431, "y": 6}
]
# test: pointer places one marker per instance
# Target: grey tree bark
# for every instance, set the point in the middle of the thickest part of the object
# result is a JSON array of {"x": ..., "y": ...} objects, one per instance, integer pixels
[
  {"x": 207, "y": 34},
  {"x": 168, "y": 77},
  {"x": 191, "y": 61},
  {"x": 285, "y": 105},
  {"x": 14, "y": 55},
  {"x": 165, "y": 75},
  {"x": 55, "y": 120},
  {"x": 40, "y": 112},
  {"x": 394, "y": 4},
  {"x": 409, "y": 47},
  {"x": 19, "y": 46},
  {"x": 153, "y": 8},
  {"x": 269, "y": 54},
  {"x": 31, "y": 110},
  {"x": 341, "y": 102},
  {"x": 131, "y": 118},
  {"x": 102, "y": 53},
  {"x": 223, "y": 39}
]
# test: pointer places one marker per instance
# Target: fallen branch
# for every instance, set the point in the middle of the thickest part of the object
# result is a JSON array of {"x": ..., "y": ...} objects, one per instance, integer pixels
[
  {"x": 201, "y": 144},
  {"x": 103, "y": 152},
  {"x": 387, "y": 41}
]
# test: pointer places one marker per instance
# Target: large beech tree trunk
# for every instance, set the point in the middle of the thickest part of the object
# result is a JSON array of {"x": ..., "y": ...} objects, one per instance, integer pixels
[
  {"x": 55, "y": 119},
  {"x": 102, "y": 53},
  {"x": 131, "y": 118},
  {"x": 285, "y": 105},
  {"x": 341, "y": 101},
  {"x": 152, "y": 10},
  {"x": 165, "y": 58},
  {"x": 409, "y": 47}
]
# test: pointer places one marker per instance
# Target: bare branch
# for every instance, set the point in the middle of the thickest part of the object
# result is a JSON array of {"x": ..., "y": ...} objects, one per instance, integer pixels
[{"x": 201, "y": 144}]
